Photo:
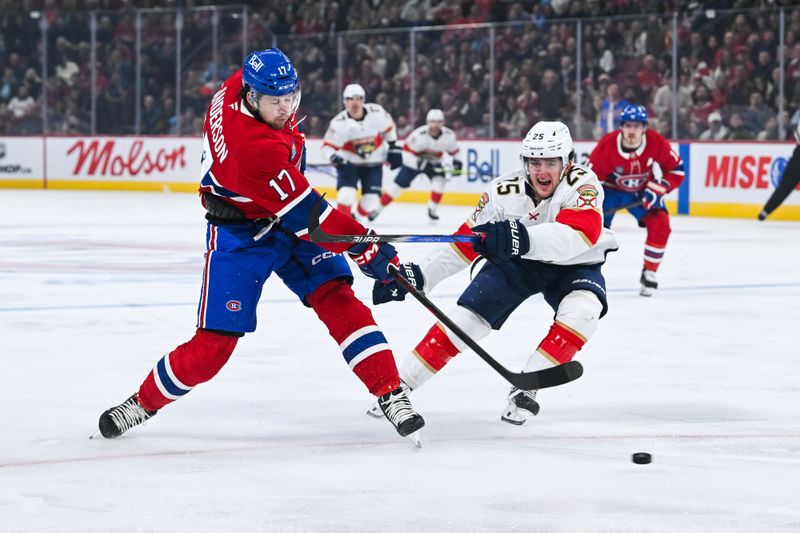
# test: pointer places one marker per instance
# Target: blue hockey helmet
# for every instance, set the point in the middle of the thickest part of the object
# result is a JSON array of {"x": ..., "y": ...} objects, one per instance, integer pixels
[
  {"x": 633, "y": 113},
  {"x": 270, "y": 72}
]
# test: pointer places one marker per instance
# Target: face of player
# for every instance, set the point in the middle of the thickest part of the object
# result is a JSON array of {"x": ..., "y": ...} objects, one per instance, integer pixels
[
  {"x": 276, "y": 110},
  {"x": 435, "y": 127},
  {"x": 545, "y": 175},
  {"x": 632, "y": 133},
  {"x": 355, "y": 106}
]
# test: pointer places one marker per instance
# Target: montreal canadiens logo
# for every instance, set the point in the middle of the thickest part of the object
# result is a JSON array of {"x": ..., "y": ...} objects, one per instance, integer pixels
[
  {"x": 776, "y": 170},
  {"x": 234, "y": 305}
]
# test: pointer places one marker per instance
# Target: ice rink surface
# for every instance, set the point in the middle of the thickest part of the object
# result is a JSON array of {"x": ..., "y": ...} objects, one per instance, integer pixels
[{"x": 95, "y": 287}]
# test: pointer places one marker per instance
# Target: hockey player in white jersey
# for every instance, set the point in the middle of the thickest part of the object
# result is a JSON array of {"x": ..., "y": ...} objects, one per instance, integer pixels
[
  {"x": 542, "y": 232},
  {"x": 424, "y": 152},
  {"x": 358, "y": 141}
]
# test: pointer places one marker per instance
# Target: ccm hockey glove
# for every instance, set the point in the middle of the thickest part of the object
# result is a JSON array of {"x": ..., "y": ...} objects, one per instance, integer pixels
[
  {"x": 386, "y": 292},
  {"x": 652, "y": 196},
  {"x": 373, "y": 258},
  {"x": 502, "y": 240}
]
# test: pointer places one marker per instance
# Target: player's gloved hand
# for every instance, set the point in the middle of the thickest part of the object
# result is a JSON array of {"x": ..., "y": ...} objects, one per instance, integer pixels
[
  {"x": 395, "y": 156},
  {"x": 431, "y": 168},
  {"x": 502, "y": 240},
  {"x": 373, "y": 258},
  {"x": 337, "y": 160},
  {"x": 386, "y": 292},
  {"x": 652, "y": 196},
  {"x": 457, "y": 165}
]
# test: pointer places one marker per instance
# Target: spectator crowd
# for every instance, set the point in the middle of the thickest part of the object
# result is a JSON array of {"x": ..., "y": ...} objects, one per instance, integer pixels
[{"x": 726, "y": 86}]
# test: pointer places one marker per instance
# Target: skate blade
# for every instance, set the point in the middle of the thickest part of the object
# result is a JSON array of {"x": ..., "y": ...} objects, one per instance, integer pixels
[
  {"x": 415, "y": 439},
  {"x": 513, "y": 421},
  {"x": 374, "y": 413},
  {"x": 95, "y": 435}
]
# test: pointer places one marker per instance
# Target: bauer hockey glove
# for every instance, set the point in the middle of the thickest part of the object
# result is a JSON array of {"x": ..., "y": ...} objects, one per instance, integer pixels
[
  {"x": 395, "y": 156},
  {"x": 502, "y": 240},
  {"x": 373, "y": 258},
  {"x": 386, "y": 292},
  {"x": 652, "y": 196}
]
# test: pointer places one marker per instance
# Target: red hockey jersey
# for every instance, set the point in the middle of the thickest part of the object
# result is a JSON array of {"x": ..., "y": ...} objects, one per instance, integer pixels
[
  {"x": 256, "y": 168},
  {"x": 630, "y": 171}
]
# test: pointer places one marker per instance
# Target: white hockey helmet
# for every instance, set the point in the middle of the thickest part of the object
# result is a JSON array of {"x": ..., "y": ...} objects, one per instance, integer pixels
[
  {"x": 435, "y": 114},
  {"x": 354, "y": 90},
  {"x": 547, "y": 139}
]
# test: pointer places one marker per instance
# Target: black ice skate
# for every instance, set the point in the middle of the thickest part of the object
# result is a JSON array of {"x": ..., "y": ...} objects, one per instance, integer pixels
[
  {"x": 432, "y": 215},
  {"x": 648, "y": 283},
  {"x": 375, "y": 410},
  {"x": 521, "y": 405},
  {"x": 117, "y": 420},
  {"x": 397, "y": 408}
]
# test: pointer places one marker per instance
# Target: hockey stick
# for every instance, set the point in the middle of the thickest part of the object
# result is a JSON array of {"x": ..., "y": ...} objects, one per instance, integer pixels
[
  {"x": 317, "y": 234},
  {"x": 541, "y": 379},
  {"x": 612, "y": 210},
  {"x": 323, "y": 168}
]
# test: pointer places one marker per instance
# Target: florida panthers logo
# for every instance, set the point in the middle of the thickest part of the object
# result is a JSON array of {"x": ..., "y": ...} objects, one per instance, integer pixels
[
  {"x": 587, "y": 197},
  {"x": 233, "y": 305}
]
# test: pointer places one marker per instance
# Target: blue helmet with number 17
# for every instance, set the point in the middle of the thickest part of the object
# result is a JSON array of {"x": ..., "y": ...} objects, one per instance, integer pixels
[
  {"x": 270, "y": 72},
  {"x": 633, "y": 113}
]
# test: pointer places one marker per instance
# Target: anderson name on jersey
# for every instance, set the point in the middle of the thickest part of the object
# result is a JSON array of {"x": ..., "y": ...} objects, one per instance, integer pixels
[
  {"x": 565, "y": 229},
  {"x": 360, "y": 142},
  {"x": 420, "y": 145}
]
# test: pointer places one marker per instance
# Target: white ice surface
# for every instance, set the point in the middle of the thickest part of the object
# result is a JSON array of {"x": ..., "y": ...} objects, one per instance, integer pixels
[{"x": 95, "y": 287}]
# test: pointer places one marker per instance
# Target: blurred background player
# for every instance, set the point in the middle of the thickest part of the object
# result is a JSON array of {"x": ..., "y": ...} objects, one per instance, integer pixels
[
  {"x": 357, "y": 142},
  {"x": 258, "y": 202},
  {"x": 623, "y": 160},
  {"x": 424, "y": 151},
  {"x": 789, "y": 180},
  {"x": 542, "y": 232}
]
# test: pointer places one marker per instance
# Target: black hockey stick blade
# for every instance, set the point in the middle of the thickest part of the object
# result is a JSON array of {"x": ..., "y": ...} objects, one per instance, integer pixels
[
  {"x": 317, "y": 234},
  {"x": 541, "y": 379},
  {"x": 622, "y": 207}
]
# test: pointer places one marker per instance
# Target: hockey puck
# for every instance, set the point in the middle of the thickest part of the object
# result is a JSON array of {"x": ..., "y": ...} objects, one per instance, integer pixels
[{"x": 642, "y": 458}]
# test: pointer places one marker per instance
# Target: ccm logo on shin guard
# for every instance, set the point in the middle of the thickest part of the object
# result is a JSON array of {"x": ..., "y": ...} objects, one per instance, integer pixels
[{"x": 233, "y": 305}]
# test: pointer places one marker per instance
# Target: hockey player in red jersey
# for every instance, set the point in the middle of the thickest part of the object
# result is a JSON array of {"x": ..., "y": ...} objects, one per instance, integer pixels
[
  {"x": 623, "y": 160},
  {"x": 257, "y": 203}
]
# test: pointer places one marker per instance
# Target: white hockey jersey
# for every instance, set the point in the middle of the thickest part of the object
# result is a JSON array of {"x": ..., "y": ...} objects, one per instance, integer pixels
[
  {"x": 360, "y": 142},
  {"x": 565, "y": 229},
  {"x": 420, "y": 145}
]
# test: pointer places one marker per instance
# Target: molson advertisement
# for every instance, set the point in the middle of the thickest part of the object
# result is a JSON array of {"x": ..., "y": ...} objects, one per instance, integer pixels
[{"x": 723, "y": 179}]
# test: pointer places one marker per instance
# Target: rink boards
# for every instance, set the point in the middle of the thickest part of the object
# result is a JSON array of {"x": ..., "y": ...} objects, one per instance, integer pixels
[{"x": 723, "y": 179}]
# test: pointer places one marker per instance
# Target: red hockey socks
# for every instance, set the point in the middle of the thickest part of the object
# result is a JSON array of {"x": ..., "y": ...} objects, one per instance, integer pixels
[
  {"x": 658, "y": 230},
  {"x": 435, "y": 349},
  {"x": 386, "y": 199},
  {"x": 561, "y": 344},
  {"x": 351, "y": 325},
  {"x": 190, "y": 364}
]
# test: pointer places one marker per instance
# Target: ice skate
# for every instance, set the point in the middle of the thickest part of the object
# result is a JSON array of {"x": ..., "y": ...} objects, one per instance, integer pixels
[
  {"x": 117, "y": 420},
  {"x": 374, "y": 214},
  {"x": 397, "y": 408},
  {"x": 521, "y": 405},
  {"x": 432, "y": 216},
  {"x": 375, "y": 410},
  {"x": 649, "y": 283}
]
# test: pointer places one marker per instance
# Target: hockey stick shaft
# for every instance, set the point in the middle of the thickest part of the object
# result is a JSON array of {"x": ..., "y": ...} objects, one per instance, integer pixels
[
  {"x": 542, "y": 379},
  {"x": 612, "y": 210},
  {"x": 317, "y": 234}
]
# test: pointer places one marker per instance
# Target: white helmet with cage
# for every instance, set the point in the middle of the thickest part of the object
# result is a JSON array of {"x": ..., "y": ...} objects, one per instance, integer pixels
[{"x": 547, "y": 139}]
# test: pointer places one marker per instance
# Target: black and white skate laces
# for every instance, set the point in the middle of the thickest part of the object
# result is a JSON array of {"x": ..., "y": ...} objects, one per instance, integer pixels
[
  {"x": 397, "y": 408},
  {"x": 521, "y": 405},
  {"x": 117, "y": 420}
]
